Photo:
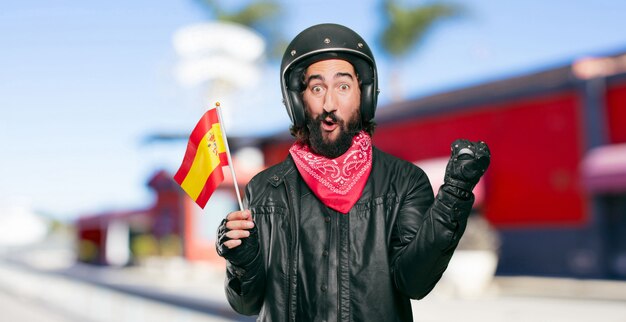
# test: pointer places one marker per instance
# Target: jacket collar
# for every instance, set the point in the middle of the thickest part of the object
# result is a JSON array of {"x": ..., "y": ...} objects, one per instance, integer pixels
[{"x": 281, "y": 171}]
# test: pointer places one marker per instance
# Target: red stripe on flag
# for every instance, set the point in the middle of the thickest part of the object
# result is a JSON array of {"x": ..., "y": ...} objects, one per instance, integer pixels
[
  {"x": 190, "y": 154},
  {"x": 204, "y": 125},
  {"x": 223, "y": 159},
  {"x": 216, "y": 177}
]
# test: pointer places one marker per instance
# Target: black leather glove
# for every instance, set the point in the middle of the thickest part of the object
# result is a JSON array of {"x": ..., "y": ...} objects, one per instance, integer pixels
[
  {"x": 241, "y": 255},
  {"x": 468, "y": 162}
]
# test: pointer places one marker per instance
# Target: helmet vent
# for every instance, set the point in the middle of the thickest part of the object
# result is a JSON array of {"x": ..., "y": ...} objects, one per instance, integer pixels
[{"x": 327, "y": 41}]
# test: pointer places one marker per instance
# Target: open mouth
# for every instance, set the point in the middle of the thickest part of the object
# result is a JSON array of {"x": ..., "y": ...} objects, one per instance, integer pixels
[{"x": 328, "y": 124}]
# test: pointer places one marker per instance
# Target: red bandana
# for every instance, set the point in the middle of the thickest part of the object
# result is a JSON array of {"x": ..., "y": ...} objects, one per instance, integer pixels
[{"x": 338, "y": 182}]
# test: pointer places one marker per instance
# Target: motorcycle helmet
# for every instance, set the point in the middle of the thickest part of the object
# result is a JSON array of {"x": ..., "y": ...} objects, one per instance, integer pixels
[{"x": 321, "y": 42}]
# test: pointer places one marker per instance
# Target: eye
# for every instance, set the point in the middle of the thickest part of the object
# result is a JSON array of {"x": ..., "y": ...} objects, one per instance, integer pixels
[
  {"x": 316, "y": 89},
  {"x": 344, "y": 87}
]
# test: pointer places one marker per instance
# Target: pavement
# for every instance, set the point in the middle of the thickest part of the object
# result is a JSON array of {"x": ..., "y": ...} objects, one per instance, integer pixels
[
  {"x": 192, "y": 287},
  {"x": 194, "y": 292}
]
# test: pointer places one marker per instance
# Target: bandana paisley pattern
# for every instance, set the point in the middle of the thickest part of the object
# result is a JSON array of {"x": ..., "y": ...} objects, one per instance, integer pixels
[{"x": 338, "y": 182}]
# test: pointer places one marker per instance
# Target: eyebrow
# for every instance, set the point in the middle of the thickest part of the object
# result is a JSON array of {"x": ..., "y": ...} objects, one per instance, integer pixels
[{"x": 320, "y": 77}]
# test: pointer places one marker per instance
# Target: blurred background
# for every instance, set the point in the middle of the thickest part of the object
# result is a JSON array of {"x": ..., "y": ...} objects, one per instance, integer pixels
[{"x": 97, "y": 100}]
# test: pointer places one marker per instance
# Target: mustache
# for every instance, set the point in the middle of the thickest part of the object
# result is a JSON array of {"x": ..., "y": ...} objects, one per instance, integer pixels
[
  {"x": 324, "y": 115},
  {"x": 352, "y": 127}
]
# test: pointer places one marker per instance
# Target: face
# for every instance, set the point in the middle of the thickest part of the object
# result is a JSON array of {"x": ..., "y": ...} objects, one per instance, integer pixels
[{"x": 332, "y": 98}]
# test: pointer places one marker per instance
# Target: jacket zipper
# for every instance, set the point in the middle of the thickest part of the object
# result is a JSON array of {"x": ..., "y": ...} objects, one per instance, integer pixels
[{"x": 291, "y": 226}]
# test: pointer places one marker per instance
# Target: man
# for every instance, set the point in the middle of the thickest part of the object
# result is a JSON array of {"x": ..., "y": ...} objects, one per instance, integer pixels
[{"x": 341, "y": 231}]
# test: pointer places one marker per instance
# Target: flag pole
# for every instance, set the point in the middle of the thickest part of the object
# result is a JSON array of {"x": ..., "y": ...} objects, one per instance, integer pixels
[{"x": 230, "y": 161}]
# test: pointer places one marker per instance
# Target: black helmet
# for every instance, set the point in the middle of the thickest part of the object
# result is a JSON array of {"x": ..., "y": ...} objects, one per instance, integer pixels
[{"x": 320, "y": 42}]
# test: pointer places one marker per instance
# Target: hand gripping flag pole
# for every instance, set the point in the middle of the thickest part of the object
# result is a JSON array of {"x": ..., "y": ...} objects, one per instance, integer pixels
[
  {"x": 207, "y": 152},
  {"x": 230, "y": 162}
]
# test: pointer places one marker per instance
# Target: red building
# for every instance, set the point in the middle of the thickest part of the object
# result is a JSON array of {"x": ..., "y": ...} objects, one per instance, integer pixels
[{"x": 172, "y": 226}]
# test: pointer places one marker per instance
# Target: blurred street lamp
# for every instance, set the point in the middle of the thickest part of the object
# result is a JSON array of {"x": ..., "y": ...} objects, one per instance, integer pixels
[{"x": 219, "y": 54}]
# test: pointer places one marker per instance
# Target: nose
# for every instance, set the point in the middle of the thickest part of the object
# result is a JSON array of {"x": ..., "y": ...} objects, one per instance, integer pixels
[{"x": 329, "y": 102}]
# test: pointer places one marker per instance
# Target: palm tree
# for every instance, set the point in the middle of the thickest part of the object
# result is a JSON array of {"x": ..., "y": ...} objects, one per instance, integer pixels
[
  {"x": 262, "y": 16},
  {"x": 405, "y": 29}
]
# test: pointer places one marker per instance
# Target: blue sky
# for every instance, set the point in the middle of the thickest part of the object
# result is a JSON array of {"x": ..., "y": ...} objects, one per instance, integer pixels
[{"x": 83, "y": 83}]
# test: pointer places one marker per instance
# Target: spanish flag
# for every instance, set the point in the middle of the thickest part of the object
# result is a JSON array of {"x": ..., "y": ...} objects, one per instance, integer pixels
[{"x": 201, "y": 170}]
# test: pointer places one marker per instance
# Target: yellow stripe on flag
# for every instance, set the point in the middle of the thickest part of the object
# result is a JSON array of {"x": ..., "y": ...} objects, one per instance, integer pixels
[
  {"x": 221, "y": 147},
  {"x": 205, "y": 162}
]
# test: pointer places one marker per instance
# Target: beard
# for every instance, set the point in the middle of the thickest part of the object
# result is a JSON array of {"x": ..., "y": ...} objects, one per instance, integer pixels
[{"x": 325, "y": 146}]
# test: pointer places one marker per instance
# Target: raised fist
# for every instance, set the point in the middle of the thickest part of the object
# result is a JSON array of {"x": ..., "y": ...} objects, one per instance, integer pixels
[{"x": 468, "y": 162}]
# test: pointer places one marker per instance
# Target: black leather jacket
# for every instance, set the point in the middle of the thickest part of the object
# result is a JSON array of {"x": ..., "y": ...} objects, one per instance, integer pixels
[{"x": 316, "y": 264}]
